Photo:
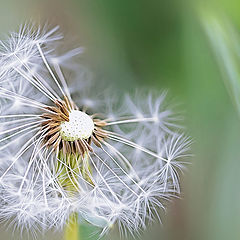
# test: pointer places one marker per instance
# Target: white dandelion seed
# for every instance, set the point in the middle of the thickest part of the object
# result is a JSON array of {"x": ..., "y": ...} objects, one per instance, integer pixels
[{"x": 59, "y": 158}]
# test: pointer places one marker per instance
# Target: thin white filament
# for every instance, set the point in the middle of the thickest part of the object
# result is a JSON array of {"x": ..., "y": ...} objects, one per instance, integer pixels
[
  {"x": 62, "y": 79},
  {"x": 38, "y": 86},
  {"x": 103, "y": 162},
  {"x": 49, "y": 69},
  {"x": 36, "y": 76},
  {"x": 19, "y": 154},
  {"x": 136, "y": 120},
  {"x": 134, "y": 145}
]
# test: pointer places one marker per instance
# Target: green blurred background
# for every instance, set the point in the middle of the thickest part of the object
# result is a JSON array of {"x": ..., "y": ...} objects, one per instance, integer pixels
[{"x": 161, "y": 45}]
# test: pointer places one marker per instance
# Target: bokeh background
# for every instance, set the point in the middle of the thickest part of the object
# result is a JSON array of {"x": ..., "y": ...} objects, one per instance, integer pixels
[{"x": 159, "y": 44}]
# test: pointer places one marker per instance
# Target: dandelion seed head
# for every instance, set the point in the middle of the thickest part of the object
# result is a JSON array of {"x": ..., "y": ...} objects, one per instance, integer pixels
[
  {"x": 69, "y": 149},
  {"x": 79, "y": 126}
]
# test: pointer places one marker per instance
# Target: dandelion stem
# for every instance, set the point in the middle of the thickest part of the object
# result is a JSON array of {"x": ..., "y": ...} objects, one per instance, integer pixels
[
  {"x": 71, "y": 171},
  {"x": 72, "y": 229}
]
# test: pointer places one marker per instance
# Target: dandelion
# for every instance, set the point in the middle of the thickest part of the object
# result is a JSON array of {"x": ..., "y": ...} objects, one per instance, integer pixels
[{"x": 64, "y": 160}]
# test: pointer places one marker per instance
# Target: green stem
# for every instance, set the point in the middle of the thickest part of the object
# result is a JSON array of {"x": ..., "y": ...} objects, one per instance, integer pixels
[{"x": 72, "y": 230}]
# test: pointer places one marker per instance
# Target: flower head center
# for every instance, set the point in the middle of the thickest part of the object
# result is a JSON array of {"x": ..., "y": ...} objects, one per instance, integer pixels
[{"x": 79, "y": 126}]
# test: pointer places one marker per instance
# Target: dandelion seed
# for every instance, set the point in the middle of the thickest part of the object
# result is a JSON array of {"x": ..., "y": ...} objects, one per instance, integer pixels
[{"x": 60, "y": 158}]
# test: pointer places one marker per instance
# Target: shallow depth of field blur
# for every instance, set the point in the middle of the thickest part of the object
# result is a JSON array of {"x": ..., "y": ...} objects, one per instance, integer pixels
[{"x": 161, "y": 44}]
